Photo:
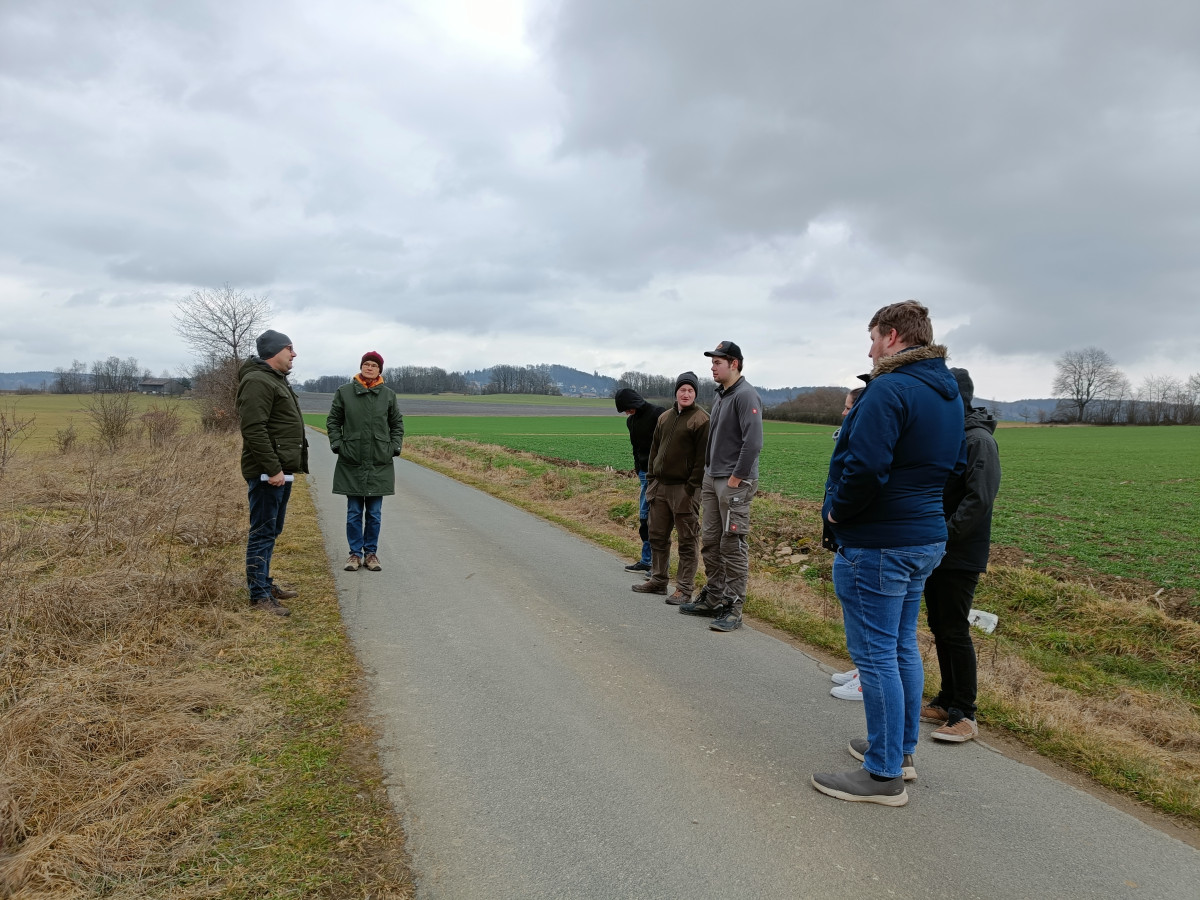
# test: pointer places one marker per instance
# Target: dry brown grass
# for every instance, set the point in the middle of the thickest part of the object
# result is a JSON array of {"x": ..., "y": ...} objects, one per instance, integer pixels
[
  {"x": 144, "y": 732},
  {"x": 1066, "y": 703}
]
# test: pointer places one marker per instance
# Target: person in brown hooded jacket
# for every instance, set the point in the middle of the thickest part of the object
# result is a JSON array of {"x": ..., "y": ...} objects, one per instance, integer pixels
[{"x": 673, "y": 492}]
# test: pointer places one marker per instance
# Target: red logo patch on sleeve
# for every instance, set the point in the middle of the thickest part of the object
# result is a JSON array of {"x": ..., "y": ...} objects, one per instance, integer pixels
[{"x": 755, "y": 411}]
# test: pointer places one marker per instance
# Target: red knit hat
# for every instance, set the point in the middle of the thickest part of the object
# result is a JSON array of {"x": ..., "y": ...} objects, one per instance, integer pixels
[{"x": 372, "y": 356}]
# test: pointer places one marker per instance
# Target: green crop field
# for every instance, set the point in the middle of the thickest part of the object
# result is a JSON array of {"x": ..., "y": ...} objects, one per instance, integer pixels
[
  {"x": 502, "y": 400},
  {"x": 793, "y": 461},
  {"x": 1118, "y": 502}
]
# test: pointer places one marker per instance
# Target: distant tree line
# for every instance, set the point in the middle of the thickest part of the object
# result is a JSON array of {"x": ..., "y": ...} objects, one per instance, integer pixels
[
  {"x": 819, "y": 406},
  {"x": 326, "y": 384},
  {"x": 107, "y": 376},
  {"x": 1090, "y": 388},
  {"x": 402, "y": 380},
  {"x": 522, "y": 380},
  {"x": 424, "y": 380},
  {"x": 433, "y": 380},
  {"x": 662, "y": 387}
]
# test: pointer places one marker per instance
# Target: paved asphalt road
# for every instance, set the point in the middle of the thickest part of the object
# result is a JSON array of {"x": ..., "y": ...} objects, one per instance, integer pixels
[{"x": 548, "y": 733}]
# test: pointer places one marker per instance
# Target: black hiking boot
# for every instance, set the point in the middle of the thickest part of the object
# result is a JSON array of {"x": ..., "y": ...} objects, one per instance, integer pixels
[{"x": 703, "y": 605}]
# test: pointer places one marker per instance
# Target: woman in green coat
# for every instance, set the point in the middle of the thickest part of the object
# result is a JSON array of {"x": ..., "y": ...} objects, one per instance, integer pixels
[{"x": 366, "y": 431}]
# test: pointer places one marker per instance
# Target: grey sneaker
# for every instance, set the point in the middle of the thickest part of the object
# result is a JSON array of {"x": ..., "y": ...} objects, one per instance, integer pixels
[
  {"x": 703, "y": 606},
  {"x": 371, "y": 563},
  {"x": 649, "y": 587},
  {"x": 858, "y": 749},
  {"x": 859, "y": 787},
  {"x": 638, "y": 566},
  {"x": 353, "y": 563},
  {"x": 729, "y": 620}
]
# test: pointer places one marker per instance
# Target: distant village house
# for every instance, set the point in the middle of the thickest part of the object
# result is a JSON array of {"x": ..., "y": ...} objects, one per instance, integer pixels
[{"x": 165, "y": 386}]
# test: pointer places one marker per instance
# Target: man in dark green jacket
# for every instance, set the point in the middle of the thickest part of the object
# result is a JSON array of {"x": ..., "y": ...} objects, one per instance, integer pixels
[
  {"x": 273, "y": 450},
  {"x": 366, "y": 431},
  {"x": 673, "y": 492}
]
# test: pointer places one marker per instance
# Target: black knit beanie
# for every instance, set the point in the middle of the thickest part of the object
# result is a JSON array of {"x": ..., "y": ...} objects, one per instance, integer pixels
[{"x": 688, "y": 378}]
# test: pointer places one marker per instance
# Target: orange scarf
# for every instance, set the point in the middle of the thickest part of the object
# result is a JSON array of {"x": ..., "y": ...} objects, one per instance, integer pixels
[{"x": 368, "y": 385}]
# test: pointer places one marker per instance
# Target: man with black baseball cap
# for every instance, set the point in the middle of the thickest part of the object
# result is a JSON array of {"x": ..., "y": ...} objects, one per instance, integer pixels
[{"x": 735, "y": 439}]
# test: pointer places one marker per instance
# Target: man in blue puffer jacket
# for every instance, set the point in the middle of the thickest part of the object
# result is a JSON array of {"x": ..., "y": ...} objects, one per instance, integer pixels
[{"x": 883, "y": 499}]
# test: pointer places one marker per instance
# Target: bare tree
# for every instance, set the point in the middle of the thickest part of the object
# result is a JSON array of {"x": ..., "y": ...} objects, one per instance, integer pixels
[
  {"x": 74, "y": 380},
  {"x": 1191, "y": 396},
  {"x": 521, "y": 380},
  {"x": 114, "y": 375},
  {"x": 662, "y": 387},
  {"x": 112, "y": 416},
  {"x": 1083, "y": 376},
  {"x": 15, "y": 430},
  {"x": 1118, "y": 404},
  {"x": 220, "y": 326}
]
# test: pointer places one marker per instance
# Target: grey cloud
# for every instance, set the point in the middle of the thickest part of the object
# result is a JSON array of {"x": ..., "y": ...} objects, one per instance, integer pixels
[
  {"x": 1029, "y": 174},
  {"x": 1012, "y": 147}
]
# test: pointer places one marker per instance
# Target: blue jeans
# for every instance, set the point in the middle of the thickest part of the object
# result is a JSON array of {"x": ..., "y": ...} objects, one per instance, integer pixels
[
  {"x": 268, "y": 506},
  {"x": 363, "y": 540},
  {"x": 644, "y": 518},
  {"x": 880, "y": 593}
]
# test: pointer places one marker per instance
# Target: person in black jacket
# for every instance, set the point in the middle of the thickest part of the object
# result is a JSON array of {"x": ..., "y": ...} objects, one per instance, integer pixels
[
  {"x": 641, "y": 419},
  {"x": 950, "y": 589}
]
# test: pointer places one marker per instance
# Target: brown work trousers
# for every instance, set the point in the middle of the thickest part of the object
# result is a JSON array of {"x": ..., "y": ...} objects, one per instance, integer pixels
[
  {"x": 671, "y": 507},
  {"x": 725, "y": 536}
]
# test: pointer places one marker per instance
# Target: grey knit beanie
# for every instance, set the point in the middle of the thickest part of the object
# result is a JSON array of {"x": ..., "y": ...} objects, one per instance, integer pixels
[{"x": 271, "y": 342}]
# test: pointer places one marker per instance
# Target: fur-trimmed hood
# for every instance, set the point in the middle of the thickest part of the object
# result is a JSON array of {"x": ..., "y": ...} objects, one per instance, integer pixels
[
  {"x": 937, "y": 377},
  {"x": 909, "y": 355}
]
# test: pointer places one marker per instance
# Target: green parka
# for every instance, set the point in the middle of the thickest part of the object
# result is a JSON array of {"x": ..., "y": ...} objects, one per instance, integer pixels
[
  {"x": 366, "y": 430},
  {"x": 272, "y": 427}
]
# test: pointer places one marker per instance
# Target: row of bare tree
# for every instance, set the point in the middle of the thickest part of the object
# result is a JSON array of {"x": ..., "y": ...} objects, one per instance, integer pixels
[
  {"x": 662, "y": 387},
  {"x": 522, "y": 380},
  {"x": 1091, "y": 388},
  {"x": 107, "y": 376}
]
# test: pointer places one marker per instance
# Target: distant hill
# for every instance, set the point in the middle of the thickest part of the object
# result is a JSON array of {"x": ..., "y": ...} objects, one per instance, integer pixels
[
  {"x": 570, "y": 381},
  {"x": 775, "y": 396},
  {"x": 14, "y": 381},
  {"x": 1019, "y": 410}
]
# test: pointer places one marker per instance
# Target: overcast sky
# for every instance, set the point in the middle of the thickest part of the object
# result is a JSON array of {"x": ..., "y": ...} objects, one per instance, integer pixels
[{"x": 606, "y": 184}]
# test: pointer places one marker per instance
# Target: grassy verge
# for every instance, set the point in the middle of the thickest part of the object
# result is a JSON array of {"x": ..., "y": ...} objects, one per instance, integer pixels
[
  {"x": 1105, "y": 685},
  {"x": 159, "y": 738},
  {"x": 51, "y": 414}
]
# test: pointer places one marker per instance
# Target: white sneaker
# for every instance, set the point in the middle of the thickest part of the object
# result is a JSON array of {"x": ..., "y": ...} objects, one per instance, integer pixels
[
  {"x": 851, "y": 690},
  {"x": 844, "y": 677}
]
